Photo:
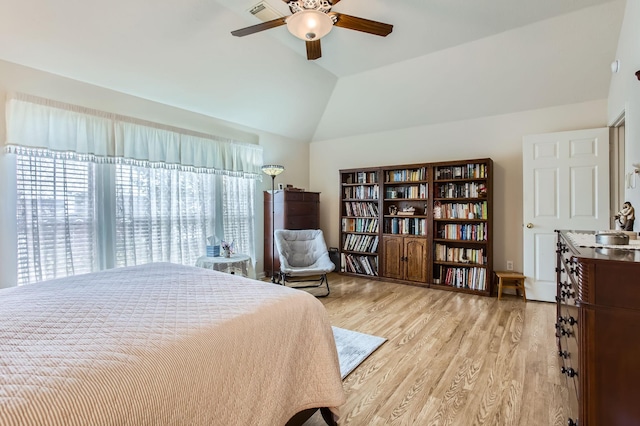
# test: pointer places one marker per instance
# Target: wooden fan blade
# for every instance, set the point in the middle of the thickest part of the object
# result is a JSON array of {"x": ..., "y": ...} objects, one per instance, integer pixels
[
  {"x": 314, "y": 51},
  {"x": 334, "y": 2},
  {"x": 361, "y": 24},
  {"x": 259, "y": 27}
]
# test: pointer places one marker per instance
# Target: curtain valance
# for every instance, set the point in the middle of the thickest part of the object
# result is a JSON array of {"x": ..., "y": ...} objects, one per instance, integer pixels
[{"x": 38, "y": 124}]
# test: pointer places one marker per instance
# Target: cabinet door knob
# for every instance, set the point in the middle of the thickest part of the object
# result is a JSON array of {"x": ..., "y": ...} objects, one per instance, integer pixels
[
  {"x": 572, "y": 422},
  {"x": 529, "y": 225}
]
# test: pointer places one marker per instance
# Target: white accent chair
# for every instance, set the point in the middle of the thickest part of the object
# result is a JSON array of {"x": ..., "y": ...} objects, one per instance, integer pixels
[{"x": 303, "y": 253}]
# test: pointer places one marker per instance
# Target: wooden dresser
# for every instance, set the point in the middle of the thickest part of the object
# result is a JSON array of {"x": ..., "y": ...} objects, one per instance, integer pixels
[
  {"x": 293, "y": 210},
  {"x": 598, "y": 332}
]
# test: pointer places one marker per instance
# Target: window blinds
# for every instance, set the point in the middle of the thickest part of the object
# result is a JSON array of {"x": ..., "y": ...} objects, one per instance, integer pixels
[
  {"x": 97, "y": 190},
  {"x": 55, "y": 214},
  {"x": 161, "y": 215}
]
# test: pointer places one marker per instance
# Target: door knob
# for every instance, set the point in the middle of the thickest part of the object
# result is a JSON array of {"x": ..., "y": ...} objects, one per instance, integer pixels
[{"x": 529, "y": 225}]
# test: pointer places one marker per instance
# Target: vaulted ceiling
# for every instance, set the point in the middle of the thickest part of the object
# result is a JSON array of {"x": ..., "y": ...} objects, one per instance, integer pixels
[{"x": 445, "y": 59}]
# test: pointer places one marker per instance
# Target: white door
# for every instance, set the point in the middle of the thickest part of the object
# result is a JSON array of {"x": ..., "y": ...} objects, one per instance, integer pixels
[{"x": 566, "y": 186}]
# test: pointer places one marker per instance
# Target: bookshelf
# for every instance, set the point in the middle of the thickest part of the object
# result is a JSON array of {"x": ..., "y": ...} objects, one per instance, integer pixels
[
  {"x": 405, "y": 223},
  {"x": 462, "y": 210},
  {"x": 360, "y": 221},
  {"x": 426, "y": 224}
]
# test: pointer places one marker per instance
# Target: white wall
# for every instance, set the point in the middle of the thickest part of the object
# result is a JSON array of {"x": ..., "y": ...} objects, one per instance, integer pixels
[
  {"x": 624, "y": 95},
  {"x": 552, "y": 62},
  {"x": 293, "y": 155},
  {"x": 498, "y": 137}
]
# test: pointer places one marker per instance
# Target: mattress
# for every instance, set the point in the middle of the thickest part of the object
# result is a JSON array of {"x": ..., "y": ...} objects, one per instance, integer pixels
[{"x": 163, "y": 344}]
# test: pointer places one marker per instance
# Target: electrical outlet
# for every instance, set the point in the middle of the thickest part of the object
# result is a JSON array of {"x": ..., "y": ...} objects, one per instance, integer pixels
[{"x": 509, "y": 265}]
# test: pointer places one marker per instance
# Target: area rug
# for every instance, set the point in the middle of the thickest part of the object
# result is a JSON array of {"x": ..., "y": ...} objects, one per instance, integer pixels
[{"x": 353, "y": 348}]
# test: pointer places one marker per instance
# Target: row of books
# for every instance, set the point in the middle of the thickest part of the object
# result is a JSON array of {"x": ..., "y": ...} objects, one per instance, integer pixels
[
  {"x": 471, "y": 278},
  {"x": 405, "y": 225},
  {"x": 359, "y": 225},
  {"x": 407, "y": 175},
  {"x": 413, "y": 191},
  {"x": 361, "y": 243},
  {"x": 355, "y": 208},
  {"x": 461, "y": 210},
  {"x": 461, "y": 190},
  {"x": 366, "y": 265},
  {"x": 362, "y": 192},
  {"x": 362, "y": 177},
  {"x": 446, "y": 253},
  {"x": 469, "y": 171},
  {"x": 470, "y": 232}
]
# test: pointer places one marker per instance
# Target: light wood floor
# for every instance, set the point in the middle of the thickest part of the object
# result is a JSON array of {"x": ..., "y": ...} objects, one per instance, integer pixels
[{"x": 450, "y": 358}]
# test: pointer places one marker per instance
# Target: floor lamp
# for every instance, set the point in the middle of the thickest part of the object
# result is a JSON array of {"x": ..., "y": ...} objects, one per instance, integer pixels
[{"x": 273, "y": 171}]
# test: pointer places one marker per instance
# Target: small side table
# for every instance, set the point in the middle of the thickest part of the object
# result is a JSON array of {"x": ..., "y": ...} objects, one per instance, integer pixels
[
  {"x": 238, "y": 262},
  {"x": 510, "y": 279}
]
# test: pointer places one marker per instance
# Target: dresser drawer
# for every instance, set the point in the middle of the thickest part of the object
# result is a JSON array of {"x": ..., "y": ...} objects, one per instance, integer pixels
[
  {"x": 301, "y": 208},
  {"x": 570, "y": 357},
  {"x": 302, "y": 196},
  {"x": 574, "y": 407},
  {"x": 302, "y": 222}
]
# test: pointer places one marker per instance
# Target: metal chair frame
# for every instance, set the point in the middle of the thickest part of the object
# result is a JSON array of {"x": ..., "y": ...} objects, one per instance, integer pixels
[{"x": 284, "y": 278}]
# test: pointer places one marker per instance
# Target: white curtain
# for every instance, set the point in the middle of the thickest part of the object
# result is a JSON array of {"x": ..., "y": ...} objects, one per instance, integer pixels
[
  {"x": 39, "y": 123},
  {"x": 35, "y": 123},
  {"x": 97, "y": 190},
  {"x": 238, "y": 211},
  {"x": 162, "y": 215},
  {"x": 55, "y": 212}
]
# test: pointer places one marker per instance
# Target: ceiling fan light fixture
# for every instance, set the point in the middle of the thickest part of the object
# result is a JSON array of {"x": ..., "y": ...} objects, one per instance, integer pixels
[{"x": 309, "y": 25}]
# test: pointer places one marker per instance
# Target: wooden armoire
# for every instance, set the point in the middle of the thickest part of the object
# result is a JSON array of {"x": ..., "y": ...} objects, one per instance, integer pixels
[{"x": 292, "y": 210}]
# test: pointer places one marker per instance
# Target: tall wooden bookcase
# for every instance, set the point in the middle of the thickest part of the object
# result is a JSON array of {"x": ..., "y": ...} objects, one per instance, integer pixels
[
  {"x": 360, "y": 221},
  {"x": 427, "y": 224}
]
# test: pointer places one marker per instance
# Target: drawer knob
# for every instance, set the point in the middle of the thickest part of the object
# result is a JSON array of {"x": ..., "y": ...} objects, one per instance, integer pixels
[
  {"x": 567, "y": 333},
  {"x": 572, "y": 422},
  {"x": 570, "y": 372},
  {"x": 567, "y": 320},
  {"x": 563, "y": 354}
]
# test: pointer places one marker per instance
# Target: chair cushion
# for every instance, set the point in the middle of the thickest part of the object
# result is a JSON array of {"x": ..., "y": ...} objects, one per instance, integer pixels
[{"x": 303, "y": 252}]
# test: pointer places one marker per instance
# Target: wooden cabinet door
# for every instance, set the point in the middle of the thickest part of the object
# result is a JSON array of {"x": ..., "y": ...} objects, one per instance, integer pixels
[
  {"x": 393, "y": 249},
  {"x": 415, "y": 250}
]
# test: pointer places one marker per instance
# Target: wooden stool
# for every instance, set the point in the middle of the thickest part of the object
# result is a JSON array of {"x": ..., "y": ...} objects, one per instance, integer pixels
[{"x": 510, "y": 279}]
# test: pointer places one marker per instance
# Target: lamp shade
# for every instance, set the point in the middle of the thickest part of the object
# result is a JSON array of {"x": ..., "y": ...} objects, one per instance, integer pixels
[
  {"x": 272, "y": 169},
  {"x": 309, "y": 25}
]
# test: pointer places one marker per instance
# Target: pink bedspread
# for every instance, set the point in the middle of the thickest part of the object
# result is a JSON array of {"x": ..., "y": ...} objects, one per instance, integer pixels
[{"x": 163, "y": 344}]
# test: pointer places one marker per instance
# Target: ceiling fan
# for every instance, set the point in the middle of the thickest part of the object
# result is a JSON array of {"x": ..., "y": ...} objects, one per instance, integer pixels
[{"x": 310, "y": 20}]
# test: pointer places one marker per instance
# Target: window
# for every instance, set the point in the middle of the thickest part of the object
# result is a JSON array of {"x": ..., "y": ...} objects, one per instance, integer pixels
[
  {"x": 55, "y": 218},
  {"x": 96, "y": 190},
  {"x": 162, "y": 215},
  {"x": 159, "y": 215}
]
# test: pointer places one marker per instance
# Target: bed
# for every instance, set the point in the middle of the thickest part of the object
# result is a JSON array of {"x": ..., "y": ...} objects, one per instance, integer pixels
[{"x": 164, "y": 344}]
